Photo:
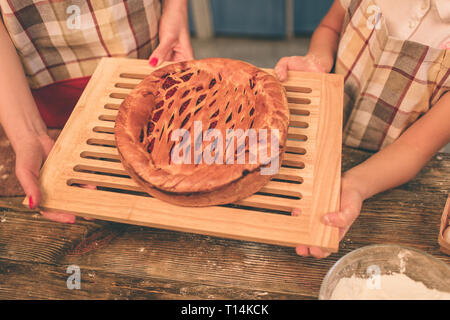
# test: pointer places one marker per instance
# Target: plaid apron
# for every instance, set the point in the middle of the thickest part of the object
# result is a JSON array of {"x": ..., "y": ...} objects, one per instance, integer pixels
[
  {"x": 389, "y": 83},
  {"x": 65, "y": 39}
]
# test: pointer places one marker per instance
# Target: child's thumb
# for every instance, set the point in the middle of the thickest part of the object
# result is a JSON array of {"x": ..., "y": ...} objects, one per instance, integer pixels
[
  {"x": 335, "y": 219},
  {"x": 281, "y": 68}
]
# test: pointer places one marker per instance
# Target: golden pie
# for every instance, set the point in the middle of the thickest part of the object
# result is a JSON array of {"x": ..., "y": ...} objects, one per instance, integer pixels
[{"x": 203, "y": 132}]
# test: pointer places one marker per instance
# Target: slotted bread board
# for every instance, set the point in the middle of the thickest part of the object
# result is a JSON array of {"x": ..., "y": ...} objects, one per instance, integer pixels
[
  {"x": 445, "y": 223},
  {"x": 309, "y": 178}
]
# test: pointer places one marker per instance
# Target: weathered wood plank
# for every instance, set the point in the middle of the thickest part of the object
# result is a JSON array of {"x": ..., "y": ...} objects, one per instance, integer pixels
[
  {"x": 27, "y": 236},
  {"x": 146, "y": 252},
  {"x": 132, "y": 262},
  {"x": 27, "y": 280}
]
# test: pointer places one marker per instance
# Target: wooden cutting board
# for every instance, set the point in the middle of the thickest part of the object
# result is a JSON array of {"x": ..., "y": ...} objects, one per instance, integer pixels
[
  {"x": 309, "y": 178},
  {"x": 445, "y": 223}
]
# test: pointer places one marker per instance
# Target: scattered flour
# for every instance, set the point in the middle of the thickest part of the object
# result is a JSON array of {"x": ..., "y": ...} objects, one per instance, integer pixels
[{"x": 396, "y": 286}]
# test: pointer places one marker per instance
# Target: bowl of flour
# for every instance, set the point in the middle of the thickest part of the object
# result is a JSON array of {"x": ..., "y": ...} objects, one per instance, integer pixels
[{"x": 387, "y": 272}]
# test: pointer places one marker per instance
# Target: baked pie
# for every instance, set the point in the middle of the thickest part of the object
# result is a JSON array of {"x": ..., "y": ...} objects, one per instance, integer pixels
[{"x": 202, "y": 132}]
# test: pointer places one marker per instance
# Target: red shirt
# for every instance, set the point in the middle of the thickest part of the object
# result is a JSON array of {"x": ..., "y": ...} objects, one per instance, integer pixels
[{"x": 57, "y": 100}]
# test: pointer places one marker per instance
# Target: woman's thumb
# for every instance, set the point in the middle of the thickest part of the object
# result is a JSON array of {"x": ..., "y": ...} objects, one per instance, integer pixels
[
  {"x": 160, "y": 54},
  {"x": 29, "y": 182}
]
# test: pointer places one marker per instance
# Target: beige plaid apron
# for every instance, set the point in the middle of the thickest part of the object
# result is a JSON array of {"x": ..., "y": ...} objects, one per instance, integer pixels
[
  {"x": 65, "y": 39},
  {"x": 389, "y": 83}
]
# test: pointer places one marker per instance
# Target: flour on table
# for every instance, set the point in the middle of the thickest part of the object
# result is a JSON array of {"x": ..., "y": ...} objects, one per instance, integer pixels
[{"x": 395, "y": 286}]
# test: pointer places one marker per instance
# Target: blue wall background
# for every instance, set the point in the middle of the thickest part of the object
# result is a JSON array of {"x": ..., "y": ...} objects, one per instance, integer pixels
[
  {"x": 308, "y": 14},
  {"x": 249, "y": 17},
  {"x": 265, "y": 18}
]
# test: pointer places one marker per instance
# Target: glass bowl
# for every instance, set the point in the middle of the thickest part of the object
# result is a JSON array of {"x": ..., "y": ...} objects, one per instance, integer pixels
[{"x": 387, "y": 259}]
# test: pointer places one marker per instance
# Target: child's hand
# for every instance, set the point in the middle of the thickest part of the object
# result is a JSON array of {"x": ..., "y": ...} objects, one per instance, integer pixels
[
  {"x": 308, "y": 63},
  {"x": 351, "y": 203},
  {"x": 174, "y": 36}
]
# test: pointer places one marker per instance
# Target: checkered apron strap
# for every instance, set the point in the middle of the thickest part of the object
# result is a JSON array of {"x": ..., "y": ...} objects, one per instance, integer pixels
[
  {"x": 389, "y": 82},
  {"x": 58, "y": 40}
]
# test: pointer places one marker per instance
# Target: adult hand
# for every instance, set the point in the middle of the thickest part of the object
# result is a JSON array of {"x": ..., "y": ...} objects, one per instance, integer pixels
[
  {"x": 351, "y": 203},
  {"x": 174, "y": 37},
  {"x": 308, "y": 63},
  {"x": 29, "y": 158}
]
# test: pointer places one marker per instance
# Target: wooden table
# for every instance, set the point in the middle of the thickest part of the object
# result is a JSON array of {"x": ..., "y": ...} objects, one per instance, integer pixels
[{"x": 120, "y": 261}]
